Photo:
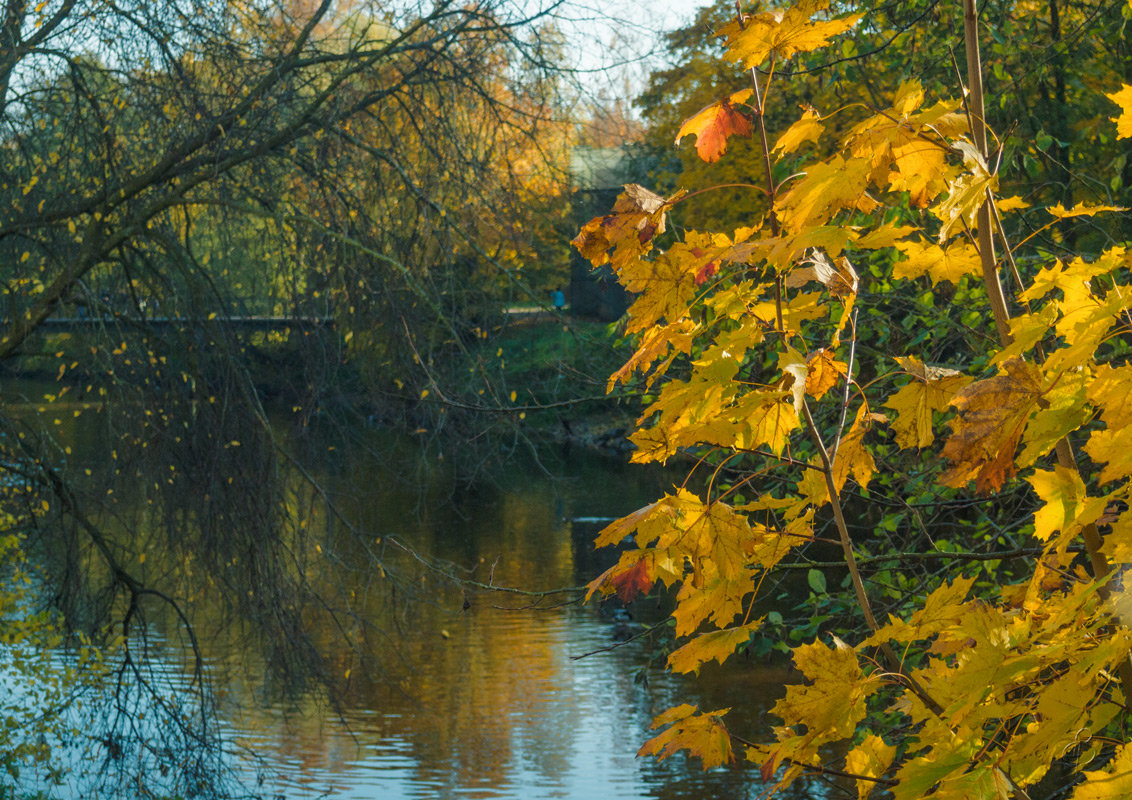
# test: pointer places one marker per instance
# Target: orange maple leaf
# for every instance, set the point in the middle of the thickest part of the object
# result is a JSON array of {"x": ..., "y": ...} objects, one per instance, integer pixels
[
  {"x": 823, "y": 372},
  {"x": 714, "y": 124},
  {"x": 636, "y": 580}
]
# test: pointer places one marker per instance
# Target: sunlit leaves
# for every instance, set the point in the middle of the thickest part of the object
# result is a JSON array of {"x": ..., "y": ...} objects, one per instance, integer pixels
[
  {"x": 783, "y": 33},
  {"x": 702, "y": 735},
  {"x": 903, "y": 147},
  {"x": 715, "y": 124},
  {"x": 1123, "y": 98},
  {"x": 950, "y": 263},
  {"x": 983, "y": 684}
]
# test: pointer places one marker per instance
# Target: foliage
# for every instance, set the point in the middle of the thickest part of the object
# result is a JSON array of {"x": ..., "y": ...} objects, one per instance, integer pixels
[
  {"x": 1047, "y": 66},
  {"x": 384, "y": 176},
  {"x": 1001, "y": 665}
]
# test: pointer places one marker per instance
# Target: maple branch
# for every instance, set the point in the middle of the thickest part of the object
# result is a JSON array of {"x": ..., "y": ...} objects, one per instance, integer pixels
[
  {"x": 1006, "y": 249},
  {"x": 718, "y": 186},
  {"x": 934, "y": 555},
  {"x": 771, "y": 189},
  {"x": 839, "y": 519},
  {"x": 890, "y": 656},
  {"x": 976, "y": 115},
  {"x": 622, "y": 643}
]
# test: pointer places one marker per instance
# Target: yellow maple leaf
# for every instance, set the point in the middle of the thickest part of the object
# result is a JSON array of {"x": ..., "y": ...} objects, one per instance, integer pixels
[
  {"x": 770, "y": 420},
  {"x": 939, "y": 263},
  {"x": 1061, "y": 410},
  {"x": 966, "y": 194},
  {"x": 852, "y": 457},
  {"x": 783, "y": 33},
  {"x": 655, "y": 343},
  {"x": 884, "y": 236},
  {"x": 909, "y": 97},
  {"x": 823, "y": 372},
  {"x": 664, "y": 287},
  {"x": 869, "y": 759},
  {"x": 919, "y": 167},
  {"x": 827, "y": 708},
  {"x": 1082, "y": 209},
  {"x": 806, "y": 129},
  {"x": 1065, "y": 504},
  {"x": 714, "y": 646},
  {"x": 638, "y": 216},
  {"x": 1012, "y": 203},
  {"x": 902, "y": 148},
  {"x": 718, "y": 599},
  {"x": 931, "y": 389},
  {"x": 826, "y": 188},
  {"x": 1074, "y": 276},
  {"x": 1123, "y": 98},
  {"x": 1111, "y": 393},
  {"x": 702, "y": 735}
]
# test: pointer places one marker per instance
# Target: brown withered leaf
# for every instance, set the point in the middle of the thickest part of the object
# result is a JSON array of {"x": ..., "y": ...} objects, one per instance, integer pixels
[
  {"x": 840, "y": 277},
  {"x": 992, "y": 416},
  {"x": 638, "y": 216}
]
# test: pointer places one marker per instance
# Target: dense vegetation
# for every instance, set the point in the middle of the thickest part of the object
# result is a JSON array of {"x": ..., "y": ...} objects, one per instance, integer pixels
[{"x": 969, "y": 639}]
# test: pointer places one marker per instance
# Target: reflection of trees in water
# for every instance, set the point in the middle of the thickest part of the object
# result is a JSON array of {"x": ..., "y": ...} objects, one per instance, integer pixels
[
  {"x": 478, "y": 693},
  {"x": 298, "y": 158}
]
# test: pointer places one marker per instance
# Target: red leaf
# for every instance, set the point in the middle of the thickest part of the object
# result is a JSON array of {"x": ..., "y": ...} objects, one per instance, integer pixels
[{"x": 633, "y": 581}]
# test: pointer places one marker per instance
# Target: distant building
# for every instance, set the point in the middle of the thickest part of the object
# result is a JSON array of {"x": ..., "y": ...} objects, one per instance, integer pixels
[{"x": 597, "y": 175}]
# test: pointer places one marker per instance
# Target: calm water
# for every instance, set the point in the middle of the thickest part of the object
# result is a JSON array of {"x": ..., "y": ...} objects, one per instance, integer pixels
[{"x": 446, "y": 689}]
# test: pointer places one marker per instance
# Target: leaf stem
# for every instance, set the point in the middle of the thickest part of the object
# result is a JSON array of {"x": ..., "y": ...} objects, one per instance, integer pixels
[{"x": 894, "y": 662}]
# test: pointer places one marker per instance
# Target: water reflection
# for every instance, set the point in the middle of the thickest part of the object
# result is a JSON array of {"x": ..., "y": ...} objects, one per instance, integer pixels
[
  {"x": 477, "y": 695},
  {"x": 437, "y": 688}
]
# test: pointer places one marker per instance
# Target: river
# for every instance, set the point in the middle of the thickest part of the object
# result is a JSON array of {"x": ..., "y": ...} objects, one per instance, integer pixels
[{"x": 444, "y": 688}]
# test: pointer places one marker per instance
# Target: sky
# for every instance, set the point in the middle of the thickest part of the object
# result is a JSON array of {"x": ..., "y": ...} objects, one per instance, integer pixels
[{"x": 618, "y": 42}]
